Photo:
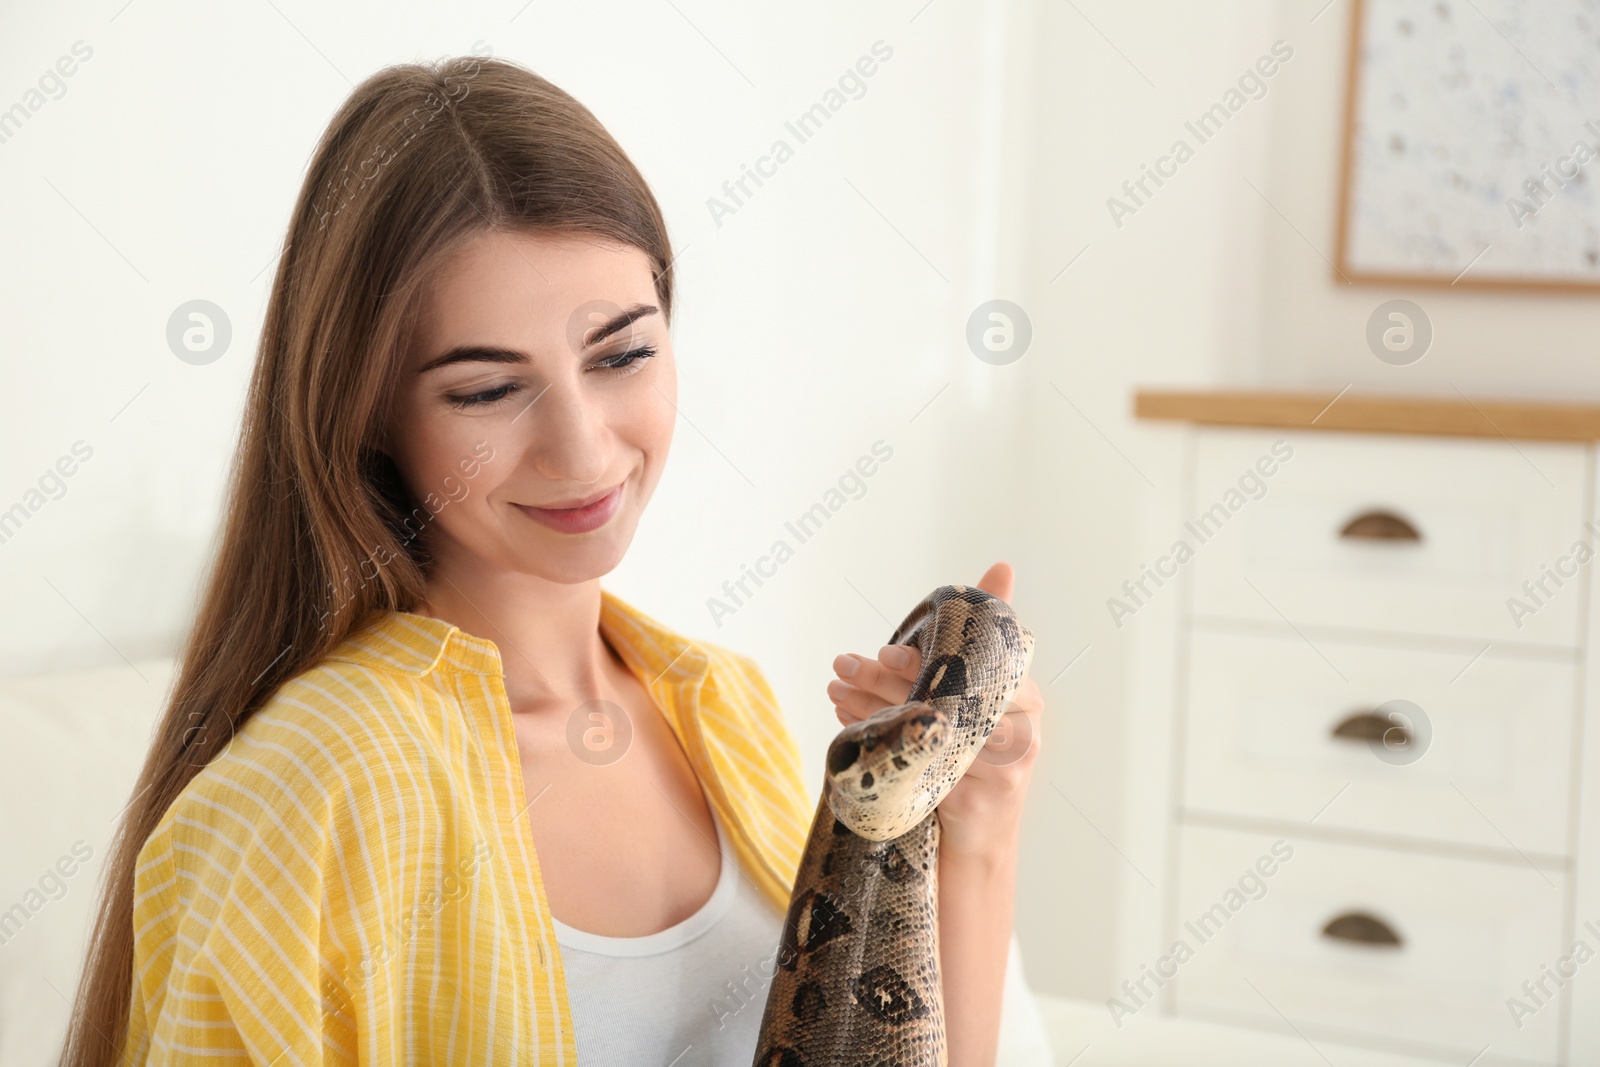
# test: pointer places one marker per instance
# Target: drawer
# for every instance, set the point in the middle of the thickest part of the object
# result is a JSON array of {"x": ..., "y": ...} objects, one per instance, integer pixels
[
  {"x": 1326, "y": 538},
  {"x": 1273, "y": 731},
  {"x": 1467, "y": 935}
]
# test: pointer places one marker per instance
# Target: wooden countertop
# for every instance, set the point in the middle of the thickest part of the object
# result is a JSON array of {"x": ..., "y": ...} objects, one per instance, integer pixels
[{"x": 1350, "y": 411}]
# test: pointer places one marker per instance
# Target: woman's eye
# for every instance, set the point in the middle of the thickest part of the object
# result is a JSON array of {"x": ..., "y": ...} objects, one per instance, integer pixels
[
  {"x": 488, "y": 396},
  {"x": 619, "y": 362},
  {"x": 623, "y": 360}
]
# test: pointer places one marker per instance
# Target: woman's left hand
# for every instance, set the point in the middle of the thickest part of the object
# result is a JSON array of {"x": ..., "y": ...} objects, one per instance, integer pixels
[{"x": 982, "y": 814}]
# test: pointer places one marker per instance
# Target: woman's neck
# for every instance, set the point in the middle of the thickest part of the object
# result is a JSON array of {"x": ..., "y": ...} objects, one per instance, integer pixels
[{"x": 548, "y": 633}]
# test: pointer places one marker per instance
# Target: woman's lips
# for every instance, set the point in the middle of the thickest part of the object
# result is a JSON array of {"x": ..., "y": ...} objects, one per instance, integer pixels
[{"x": 590, "y": 516}]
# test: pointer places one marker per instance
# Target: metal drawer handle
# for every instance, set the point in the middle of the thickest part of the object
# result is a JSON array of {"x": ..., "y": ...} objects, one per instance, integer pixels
[
  {"x": 1380, "y": 525},
  {"x": 1369, "y": 726},
  {"x": 1360, "y": 928}
]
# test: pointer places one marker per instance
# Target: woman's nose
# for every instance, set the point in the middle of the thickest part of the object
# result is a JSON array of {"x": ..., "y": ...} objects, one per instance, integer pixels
[{"x": 566, "y": 435}]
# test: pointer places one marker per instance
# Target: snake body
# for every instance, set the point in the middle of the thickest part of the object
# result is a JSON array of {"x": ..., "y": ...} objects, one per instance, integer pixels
[{"x": 857, "y": 982}]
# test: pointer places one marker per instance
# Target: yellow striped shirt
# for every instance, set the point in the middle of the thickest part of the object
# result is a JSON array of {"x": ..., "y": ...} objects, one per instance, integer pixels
[{"x": 354, "y": 877}]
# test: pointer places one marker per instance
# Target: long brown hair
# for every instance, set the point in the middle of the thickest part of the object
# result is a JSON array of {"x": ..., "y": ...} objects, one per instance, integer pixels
[{"x": 320, "y": 534}]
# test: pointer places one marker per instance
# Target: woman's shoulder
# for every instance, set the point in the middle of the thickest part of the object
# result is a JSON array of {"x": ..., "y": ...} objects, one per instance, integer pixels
[
  {"x": 376, "y": 694},
  {"x": 747, "y": 713},
  {"x": 331, "y": 720},
  {"x": 282, "y": 848},
  {"x": 660, "y": 651},
  {"x": 739, "y": 674},
  {"x": 336, "y": 747}
]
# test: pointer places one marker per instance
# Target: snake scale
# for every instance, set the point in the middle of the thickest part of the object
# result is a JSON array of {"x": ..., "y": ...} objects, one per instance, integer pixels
[{"x": 857, "y": 982}]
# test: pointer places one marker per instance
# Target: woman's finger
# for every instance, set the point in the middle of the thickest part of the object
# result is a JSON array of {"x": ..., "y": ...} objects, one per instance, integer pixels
[
  {"x": 999, "y": 580},
  {"x": 904, "y": 660},
  {"x": 857, "y": 703},
  {"x": 892, "y": 686}
]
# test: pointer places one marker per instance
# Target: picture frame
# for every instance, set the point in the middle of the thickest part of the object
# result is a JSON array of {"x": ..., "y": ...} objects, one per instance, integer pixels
[{"x": 1460, "y": 149}]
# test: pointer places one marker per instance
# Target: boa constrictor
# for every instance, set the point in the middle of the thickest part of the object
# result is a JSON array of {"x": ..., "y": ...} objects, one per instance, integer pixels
[{"x": 857, "y": 982}]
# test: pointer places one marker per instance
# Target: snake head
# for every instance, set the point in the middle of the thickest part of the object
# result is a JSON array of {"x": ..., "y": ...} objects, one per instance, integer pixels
[{"x": 875, "y": 779}]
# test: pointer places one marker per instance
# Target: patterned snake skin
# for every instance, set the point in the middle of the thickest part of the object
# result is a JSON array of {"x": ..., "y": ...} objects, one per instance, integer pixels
[{"x": 858, "y": 983}]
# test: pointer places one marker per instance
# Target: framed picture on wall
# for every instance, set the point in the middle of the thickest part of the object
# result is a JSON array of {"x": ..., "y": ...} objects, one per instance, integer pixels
[{"x": 1470, "y": 158}]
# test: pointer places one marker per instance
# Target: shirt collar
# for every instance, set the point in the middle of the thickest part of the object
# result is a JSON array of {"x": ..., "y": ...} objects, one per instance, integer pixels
[{"x": 420, "y": 644}]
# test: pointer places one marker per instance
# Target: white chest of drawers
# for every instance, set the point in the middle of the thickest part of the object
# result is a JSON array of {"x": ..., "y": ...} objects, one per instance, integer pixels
[{"x": 1369, "y": 762}]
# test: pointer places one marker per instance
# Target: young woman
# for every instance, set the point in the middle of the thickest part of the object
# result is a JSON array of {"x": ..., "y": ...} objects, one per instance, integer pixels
[{"x": 425, "y": 792}]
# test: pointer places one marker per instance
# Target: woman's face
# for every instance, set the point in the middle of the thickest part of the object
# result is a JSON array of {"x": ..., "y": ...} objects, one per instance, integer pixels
[{"x": 540, "y": 376}]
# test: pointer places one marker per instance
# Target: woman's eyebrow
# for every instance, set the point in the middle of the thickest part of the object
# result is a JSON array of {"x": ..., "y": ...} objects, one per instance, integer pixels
[
  {"x": 474, "y": 354},
  {"x": 621, "y": 321},
  {"x": 493, "y": 354}
]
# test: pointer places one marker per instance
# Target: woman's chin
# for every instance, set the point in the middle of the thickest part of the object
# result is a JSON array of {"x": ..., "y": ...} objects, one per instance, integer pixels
[{"x": 577, "y": 558}]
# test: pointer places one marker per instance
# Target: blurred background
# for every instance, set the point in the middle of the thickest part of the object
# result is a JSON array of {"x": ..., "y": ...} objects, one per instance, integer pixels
[{"x": 843, "y": 306}]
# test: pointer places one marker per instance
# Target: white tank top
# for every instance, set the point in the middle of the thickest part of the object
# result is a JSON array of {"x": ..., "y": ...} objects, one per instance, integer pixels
[{"x": 691, "y": 995}]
